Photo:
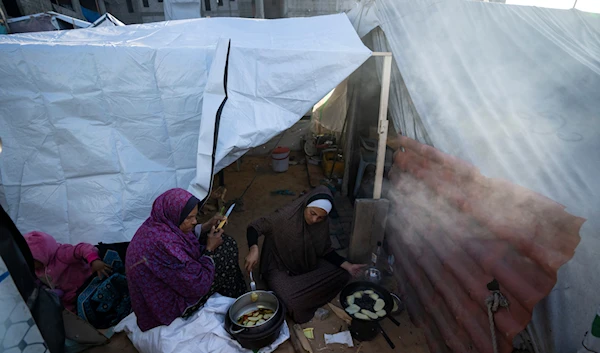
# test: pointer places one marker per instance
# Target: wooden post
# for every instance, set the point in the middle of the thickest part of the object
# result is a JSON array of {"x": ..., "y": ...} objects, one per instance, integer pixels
[
  {"x": 383, "y": 122},
  {"x": 368, "y": 227}
]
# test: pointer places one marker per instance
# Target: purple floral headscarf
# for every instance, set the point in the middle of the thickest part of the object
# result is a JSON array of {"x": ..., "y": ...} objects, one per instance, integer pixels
[{"x": 166, "y": 211}]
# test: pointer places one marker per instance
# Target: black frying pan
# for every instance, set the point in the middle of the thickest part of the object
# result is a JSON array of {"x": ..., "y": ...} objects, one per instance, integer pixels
[{"x": 354, "y": 287}]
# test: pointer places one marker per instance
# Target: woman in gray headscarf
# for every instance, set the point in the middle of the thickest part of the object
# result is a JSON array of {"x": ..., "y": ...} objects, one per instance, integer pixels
[{"x": 297, "y": 260}]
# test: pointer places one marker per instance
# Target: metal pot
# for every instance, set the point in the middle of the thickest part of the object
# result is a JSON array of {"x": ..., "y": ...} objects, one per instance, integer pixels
[
  {"x": 260, "y": 341},
  {"x": 244, "y": 304},
  {"x": 255, "y": 341}
]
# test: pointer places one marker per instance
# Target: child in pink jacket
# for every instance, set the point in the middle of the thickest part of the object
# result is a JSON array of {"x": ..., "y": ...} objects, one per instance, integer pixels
[{"x": 64, "y": 267}]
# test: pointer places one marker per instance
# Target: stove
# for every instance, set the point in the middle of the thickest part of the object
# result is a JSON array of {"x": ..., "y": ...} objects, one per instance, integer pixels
[{"x": 364, "y": 330}]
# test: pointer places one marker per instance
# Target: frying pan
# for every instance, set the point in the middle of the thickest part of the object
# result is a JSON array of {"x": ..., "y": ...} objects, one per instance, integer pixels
[{"x": 354, "y": 287}]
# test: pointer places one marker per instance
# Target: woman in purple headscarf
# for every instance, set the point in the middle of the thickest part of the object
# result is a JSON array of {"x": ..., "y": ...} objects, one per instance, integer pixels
[{"x": 174, "y": 264}]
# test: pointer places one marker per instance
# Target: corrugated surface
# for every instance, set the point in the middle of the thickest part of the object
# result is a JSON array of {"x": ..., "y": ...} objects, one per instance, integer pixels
[{"x": 454, "y": 230}]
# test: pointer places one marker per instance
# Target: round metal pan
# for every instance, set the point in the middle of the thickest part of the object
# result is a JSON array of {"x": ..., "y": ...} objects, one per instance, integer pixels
[
  {"x": 244, "y": 304},
  {"x": 354, "y": 287}
]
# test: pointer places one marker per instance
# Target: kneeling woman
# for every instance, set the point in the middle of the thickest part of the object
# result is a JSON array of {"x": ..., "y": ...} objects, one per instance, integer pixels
[
  {"x": 170, "y": 272},
  {"x": 297, "y": 260}
]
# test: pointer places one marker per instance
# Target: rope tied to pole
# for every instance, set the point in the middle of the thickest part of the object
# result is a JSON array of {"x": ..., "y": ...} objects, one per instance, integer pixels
[{"x": 495, "y": 301}]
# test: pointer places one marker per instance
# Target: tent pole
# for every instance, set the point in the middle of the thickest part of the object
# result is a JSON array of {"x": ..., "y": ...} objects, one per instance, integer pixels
[{"x": 382, "y": 126}]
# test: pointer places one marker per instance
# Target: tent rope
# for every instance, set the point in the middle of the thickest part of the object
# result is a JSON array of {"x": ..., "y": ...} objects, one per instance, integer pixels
[{"x": 493, "y": 302}]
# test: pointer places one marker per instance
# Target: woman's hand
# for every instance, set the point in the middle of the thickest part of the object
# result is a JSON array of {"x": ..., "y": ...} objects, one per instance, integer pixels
[
  {"x": 213, "y": 222},
  {"x": 252, "y": 258},
  {"x": 101, "y": 268},
  {"x": 215, "y": 239},
  {"x": 354, "y": 270}
]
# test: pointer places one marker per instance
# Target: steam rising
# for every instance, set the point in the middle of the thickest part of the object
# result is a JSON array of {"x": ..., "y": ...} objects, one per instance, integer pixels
[{"x": 514, "y": 91}]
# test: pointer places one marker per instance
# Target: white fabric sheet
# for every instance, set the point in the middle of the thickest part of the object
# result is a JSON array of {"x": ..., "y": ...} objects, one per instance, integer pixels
[
  {"x": 516, "y": 91},
  {"x": 96, "y": 123},
  {"x": 202, "y": 332}
]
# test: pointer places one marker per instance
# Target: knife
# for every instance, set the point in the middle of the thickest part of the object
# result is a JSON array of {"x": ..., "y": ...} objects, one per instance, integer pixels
[{"x": 226, "y": 215}]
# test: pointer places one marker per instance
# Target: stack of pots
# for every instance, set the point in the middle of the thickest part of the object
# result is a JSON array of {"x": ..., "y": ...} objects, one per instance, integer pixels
[{"x": 255, "y": 337}]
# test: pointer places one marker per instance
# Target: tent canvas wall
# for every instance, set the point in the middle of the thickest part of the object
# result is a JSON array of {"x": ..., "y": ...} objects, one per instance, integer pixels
[
  {"x": 513, "y": 90},
  {"x": 88, "y": 145}
]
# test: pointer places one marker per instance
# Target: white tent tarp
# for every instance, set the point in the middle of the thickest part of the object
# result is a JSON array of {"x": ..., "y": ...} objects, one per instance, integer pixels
[
  {"x": 96, "y": 123},
  {"x": 515, "y": 90},
  {"x": 107, "y": 20}
]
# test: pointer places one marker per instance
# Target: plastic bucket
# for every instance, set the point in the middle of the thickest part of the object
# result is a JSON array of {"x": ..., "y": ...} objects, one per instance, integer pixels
[{"x": 280, "y": 159}]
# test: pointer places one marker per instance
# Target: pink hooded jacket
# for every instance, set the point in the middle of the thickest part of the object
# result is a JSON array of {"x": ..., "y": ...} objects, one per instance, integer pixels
[{"x": 66, "y": 267}]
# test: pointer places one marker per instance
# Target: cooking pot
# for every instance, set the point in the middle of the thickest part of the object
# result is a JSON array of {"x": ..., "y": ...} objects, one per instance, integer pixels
[
  {"x": 263, "y": 336},
  {"x": 244, "y": 305}
]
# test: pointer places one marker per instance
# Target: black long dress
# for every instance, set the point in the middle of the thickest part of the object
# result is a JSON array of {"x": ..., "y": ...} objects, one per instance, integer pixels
[{"x": 293, "y": 258}]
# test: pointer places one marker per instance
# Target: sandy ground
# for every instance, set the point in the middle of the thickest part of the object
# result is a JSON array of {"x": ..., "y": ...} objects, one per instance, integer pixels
[{"x": 258, "y": 201}]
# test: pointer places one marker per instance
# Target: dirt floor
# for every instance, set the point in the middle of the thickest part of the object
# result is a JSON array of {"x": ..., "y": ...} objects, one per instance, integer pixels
[{"x": 259, "y": 201}]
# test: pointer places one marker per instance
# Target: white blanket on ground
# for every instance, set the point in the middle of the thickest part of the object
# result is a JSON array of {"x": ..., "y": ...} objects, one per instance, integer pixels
[{"x": 203, "y": 332}]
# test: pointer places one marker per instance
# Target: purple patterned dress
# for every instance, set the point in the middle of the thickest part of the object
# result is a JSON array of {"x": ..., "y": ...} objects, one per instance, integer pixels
[{"x": 166, "y": 269}]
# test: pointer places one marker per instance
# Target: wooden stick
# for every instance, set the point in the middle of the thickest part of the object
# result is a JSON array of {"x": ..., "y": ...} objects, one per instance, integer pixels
[
  {"x": 303, "y": 340},
  {"x": 340, "y": 313},
  {"x": 383, "y": 124},
  {"x": 295, "y": 341},
  {"x": 381, "y": 53}
]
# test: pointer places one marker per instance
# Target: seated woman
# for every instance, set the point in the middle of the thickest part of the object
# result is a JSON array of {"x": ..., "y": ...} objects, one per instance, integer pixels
[
  {"x": 85, "y": 284},
  {"x": 297, "y": 260},
  {"x": 170, "y": 273}
]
